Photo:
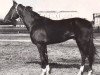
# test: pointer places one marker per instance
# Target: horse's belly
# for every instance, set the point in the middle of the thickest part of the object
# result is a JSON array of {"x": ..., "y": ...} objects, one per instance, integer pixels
[
  {"x": 69, "y": 35},
  {"x": 60, "y": 38}
]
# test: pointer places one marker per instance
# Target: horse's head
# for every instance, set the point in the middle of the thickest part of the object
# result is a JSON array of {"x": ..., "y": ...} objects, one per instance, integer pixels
[{"x": 12, "y": 14}]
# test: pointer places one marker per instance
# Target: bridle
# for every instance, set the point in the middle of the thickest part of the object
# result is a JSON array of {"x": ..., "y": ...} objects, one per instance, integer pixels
[{"x": 15, "y": 11}]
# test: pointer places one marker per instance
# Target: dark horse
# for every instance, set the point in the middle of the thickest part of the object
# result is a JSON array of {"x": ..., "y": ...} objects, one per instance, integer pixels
[{"x": 44, "y": 31}]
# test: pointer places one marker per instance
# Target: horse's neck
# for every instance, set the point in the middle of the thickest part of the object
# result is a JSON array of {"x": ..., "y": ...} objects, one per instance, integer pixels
[{"x": 27, "y": 20}]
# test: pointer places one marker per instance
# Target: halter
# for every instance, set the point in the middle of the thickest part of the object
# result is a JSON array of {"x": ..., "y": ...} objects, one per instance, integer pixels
[
  {"x": 16, "y": 8},
  {"x": 15, "y": 11}
]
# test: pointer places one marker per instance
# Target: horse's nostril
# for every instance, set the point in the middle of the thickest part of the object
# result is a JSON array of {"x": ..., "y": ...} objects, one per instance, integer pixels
[{"x": 5, "y": 20}]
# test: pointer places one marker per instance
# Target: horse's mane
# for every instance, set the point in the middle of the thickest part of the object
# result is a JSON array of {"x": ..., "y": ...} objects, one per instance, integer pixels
[{"x": 29, "y": 9}]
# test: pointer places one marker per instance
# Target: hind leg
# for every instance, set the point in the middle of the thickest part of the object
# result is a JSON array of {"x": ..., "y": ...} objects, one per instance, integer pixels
[
  {"x": 82, "y": 47},
  {"x": 90, "y": 65},
  {"x": 91, "y": 58},
  {"x": 82, "y": 66}
]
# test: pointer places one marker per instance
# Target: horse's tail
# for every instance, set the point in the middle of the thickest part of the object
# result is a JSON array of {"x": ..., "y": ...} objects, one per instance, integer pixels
[{"x": 92, "y": 49}]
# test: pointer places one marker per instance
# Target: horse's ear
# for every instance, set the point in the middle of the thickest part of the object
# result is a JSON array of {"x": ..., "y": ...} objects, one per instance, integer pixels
[
  {"x": 29, "y": 8},
  {"x": 14, "y": 2}
]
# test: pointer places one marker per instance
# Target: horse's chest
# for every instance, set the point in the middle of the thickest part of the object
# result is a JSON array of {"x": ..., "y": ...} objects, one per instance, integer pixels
[{"x": 39, "y": 36}]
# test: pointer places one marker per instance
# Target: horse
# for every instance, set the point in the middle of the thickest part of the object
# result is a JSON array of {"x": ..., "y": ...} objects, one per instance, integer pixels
[{"x": 44, "y": 31}]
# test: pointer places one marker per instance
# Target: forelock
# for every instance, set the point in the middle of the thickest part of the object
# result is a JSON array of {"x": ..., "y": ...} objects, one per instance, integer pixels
[{"x": 29, "y": 8}]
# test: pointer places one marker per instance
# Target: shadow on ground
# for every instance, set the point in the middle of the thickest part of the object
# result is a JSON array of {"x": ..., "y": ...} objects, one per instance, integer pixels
[{"x": 62, "y": 65}]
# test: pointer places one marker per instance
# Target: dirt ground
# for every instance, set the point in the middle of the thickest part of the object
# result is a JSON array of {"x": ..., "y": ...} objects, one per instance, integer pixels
[{"x": 22, "y": 58}]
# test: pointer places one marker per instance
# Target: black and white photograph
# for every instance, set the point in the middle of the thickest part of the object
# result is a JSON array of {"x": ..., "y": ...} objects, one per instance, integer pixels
[{"x": 49, "y": 37}]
